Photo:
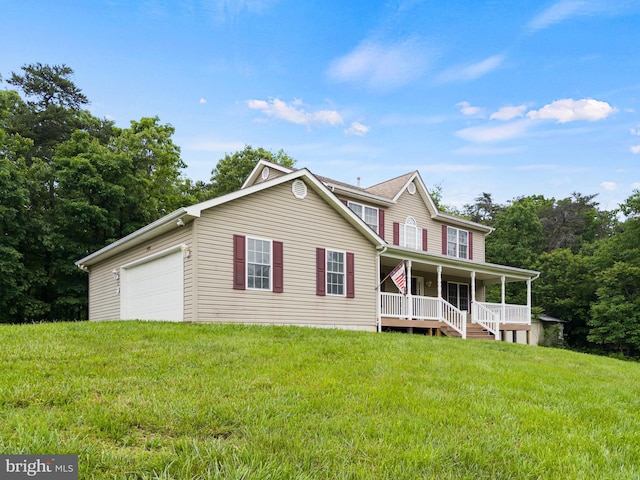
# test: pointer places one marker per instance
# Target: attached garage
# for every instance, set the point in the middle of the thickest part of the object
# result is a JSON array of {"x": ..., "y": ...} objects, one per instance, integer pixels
[{"x": 152, "y": 288}]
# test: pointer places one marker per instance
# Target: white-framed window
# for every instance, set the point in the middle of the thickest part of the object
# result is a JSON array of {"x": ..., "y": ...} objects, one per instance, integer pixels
[
  {"x": 457, "y": 243},
  {"x": 410, "y": 234},
  {"x": 259, "y": 258},
  {"x": 458, "y": 295},
  {"x": 335, "y": 272},
  {"x": 366, "y": 213}
]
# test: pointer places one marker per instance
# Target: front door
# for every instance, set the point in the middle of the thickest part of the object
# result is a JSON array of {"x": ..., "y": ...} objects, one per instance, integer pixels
[
  {"x": 458, "y": 295},
  {"x": 417, "y": 286}
]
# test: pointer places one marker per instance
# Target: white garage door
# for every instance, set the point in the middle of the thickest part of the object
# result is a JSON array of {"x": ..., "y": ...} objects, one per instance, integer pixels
[{"x": 153, "y": 290}]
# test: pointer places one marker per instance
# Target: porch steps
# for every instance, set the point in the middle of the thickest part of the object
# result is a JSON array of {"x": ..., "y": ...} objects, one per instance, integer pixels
[{"x": 474, "y": 332}]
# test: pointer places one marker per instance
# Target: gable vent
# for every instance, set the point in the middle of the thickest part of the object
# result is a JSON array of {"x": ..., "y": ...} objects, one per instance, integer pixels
[
  {"x": 265, "y": 173},
  {"x": 411, "y": 188},
  {"x": 299, "y": 189}
]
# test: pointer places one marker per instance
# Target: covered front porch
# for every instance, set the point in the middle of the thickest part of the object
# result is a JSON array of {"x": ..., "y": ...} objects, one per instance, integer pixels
[{"x": 448, "y": 296}]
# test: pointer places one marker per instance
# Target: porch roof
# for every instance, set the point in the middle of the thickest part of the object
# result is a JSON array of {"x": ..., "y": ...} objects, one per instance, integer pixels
[{"x": 488, "y": 272}]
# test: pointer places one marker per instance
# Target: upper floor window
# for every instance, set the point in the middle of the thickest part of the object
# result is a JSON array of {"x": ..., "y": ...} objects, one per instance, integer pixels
[
  {"x": 457, "y": 243},
  {"x": 366, "y": 213},
  {"x": 258, "y": 264},
  {"x": 410, "y": 234}
]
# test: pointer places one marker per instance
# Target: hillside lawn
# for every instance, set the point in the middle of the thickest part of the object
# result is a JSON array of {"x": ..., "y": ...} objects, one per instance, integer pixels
[{"x": 162, "y": 400}]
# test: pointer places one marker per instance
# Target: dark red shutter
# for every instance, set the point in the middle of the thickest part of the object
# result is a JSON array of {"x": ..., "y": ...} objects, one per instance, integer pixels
[
  {"x": 239, "y": 266},
  {"x": 321, "y": 276},
  {"x": 351, "y": 293},
  {"x": 381, "y": 223},
  {"x": 396, "y": 233},
  {"x": 470, "y": 246},
  {"x": 346, "y": 202},
  {"x": 425, "y": 240},
  {"x": 278, "y": 267},
  {"x": 444, "y": 239}
]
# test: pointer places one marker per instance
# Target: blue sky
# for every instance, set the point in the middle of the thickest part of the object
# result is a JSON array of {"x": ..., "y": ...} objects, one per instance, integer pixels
[{"x": 509, "y": 98}]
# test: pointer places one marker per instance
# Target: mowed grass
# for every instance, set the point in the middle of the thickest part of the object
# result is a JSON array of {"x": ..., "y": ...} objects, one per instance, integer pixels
[{"x": 160, "y": 400}]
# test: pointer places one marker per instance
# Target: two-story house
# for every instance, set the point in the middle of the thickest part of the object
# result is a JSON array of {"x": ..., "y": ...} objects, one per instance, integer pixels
[{"x": 292, "y": 248}]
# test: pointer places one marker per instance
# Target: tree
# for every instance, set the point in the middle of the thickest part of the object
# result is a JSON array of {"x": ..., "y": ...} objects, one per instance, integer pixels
[
  {"x": 233, "y": 170},
  {"x": 484, "y": 210}
]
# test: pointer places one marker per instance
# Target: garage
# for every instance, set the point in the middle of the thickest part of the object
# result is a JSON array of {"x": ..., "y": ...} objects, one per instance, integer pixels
[{"x": 152, "y": 288}]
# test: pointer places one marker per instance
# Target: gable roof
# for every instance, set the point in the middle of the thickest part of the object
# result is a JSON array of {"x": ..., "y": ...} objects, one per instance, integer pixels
[
  {"x": 183, "y": 215},
  {"x": 391, "y": 188},
  {"x": 255, "y": 173}
]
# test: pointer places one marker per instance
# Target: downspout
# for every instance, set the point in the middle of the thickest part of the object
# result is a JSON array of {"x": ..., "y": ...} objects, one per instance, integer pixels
[{"x": 378, "y": 304}]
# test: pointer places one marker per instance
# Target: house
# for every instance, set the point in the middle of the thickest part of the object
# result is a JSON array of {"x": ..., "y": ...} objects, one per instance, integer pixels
[{"x": 293, "y": 248}]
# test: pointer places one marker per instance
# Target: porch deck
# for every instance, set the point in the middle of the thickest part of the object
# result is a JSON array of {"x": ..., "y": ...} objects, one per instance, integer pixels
[{"x": 417, "y": 311}]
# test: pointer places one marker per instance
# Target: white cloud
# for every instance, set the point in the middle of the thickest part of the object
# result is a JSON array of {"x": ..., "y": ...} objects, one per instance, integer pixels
[
  {"x": 635, "y": 149},
  {"x": 558, "y": 12},
  {"x": 467, "y": 73},
  {"x": 203, "y": 101},
  {"x": 570, "y": 110},
  {"x": 381, "y": 66},
  {"x": 635, "y": 131},
  {"x": 635, "y": 185},
  {"x": 609, "y": 186},
  {"x": 467, "y": 109},
  {"x": 484, "y": 134},
  {"x": 294, "y": 112},
  {"x": 509, "y": 112},
  {"x": 357, "y": 129}
]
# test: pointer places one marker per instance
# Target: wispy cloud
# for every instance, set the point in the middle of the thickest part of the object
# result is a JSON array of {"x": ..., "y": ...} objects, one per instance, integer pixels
[
  {"x": 493, "y": 134},
  {"x": 230, "y": 9},
  {"x": 480, "y": 150},
  {"x": 508, "y": 112},
  {"x": 295, "y": 113},
  {"x": 467, "y": 109},
  {"x": 635, "y": 149},
  {"x": 570, "y": 110},
  {"x": 466, "y": 73},
  {"x": 609, "y": 186},
  {"x": 203, "y": 100},
  {"x": 560, "y": 11},
  {"x": 380, "y": 65},
  {"x": 357, "y": 129}
]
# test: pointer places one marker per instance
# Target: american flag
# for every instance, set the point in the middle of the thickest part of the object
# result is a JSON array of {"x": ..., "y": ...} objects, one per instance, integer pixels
[{"x": 399, "y": 277}]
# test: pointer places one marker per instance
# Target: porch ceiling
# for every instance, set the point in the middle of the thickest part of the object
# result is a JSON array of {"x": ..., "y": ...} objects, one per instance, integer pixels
[{"x": 487, "y": 272}]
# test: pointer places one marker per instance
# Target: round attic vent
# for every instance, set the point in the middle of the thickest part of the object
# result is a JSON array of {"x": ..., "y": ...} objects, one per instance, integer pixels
[
  {"x": 299, "y": 189},
  {"x": 265, "y": 173},
  {"x": 411, "y": 188}
]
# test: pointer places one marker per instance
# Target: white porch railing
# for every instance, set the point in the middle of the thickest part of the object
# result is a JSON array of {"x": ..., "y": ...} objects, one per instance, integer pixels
[
  {"x": 396, "y": 305},
  {"x": 485, "y": 317},
  {"x": 518, "y": 314}
]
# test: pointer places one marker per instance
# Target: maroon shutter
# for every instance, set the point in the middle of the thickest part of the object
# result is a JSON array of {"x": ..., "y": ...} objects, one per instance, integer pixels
[
  {"x": 239, "y": 266},
  {"x": 425, "y": 240},
  {"x": 346, "y": 202},
  {"x": 396, "y": 233},
  {"x": 444, "y": 239},
  {"x": 381, "y": 223},
  {"x": 278, "y": 267},
  {"x": 321, "y": 276},
  {"x": 351, "y": 293},
  {"x": 470, "y": 246}
]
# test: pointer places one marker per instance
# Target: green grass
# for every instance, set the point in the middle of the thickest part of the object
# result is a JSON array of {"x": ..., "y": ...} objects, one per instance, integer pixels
[{"x": 161, "y": 400}]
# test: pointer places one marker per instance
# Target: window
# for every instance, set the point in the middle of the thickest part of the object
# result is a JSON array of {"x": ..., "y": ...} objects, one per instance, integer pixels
[
  {"x": 258, "y": 264},
  {"x": 335, "y": 272},
  {"x": 457, "y": 243},
  {"x": 458, "y": 295},
  {"x": 409, "y": 235},
  {"x": 366, "y": 213}
]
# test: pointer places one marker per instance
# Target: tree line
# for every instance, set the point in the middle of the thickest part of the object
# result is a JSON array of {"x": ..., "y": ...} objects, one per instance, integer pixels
[{"x": 71, "y": 183}]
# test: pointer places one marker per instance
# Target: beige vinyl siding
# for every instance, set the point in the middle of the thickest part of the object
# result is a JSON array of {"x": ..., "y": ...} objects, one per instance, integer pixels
[
  {"x": 104, "y": 301},
  {"x": 413, "y": 205},
  {"x": 273, "y": 173},
  {"x": 302, "y": 225}
]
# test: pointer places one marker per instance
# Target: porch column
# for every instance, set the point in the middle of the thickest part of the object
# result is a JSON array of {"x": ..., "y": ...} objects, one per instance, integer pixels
[
  {"x": 409, "y": 296},
  {"x": 440, "y": 312},
  {"x": 529, "y": 301},
  {"x": 473, "y": 295},
  {"x": 504, "y": 306}
]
